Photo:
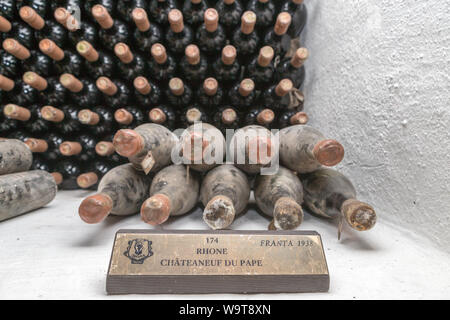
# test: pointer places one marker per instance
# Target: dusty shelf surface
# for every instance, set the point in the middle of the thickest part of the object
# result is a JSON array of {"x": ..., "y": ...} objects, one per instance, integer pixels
[{"x": 51, "y": 254}]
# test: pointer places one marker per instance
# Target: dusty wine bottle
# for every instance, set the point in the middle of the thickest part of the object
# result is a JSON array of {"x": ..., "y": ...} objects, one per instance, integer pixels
[
  {"x": 129, "y": 118},
  {"x": 243, "y": 95},
  {"x": 277, "y": 96},
  {"x": 130, "y": 65},
  {"x": 64, "y": 61},
  {"x": 193, "y": 65},
  {"x": 292, "y": 118},
  {"x": 293, "y": 68},
  {"x": 98, "y": 63},
  {"x": 116, "y": 94},
  {"x": 210, "y": 95},
  {"x": 147, "y": 93},
  {"x": 120, "y": 192},
  {"x": 146, "y": 34},
  {"x": 299, "y": 16},
  {"x": 148, "y": 147},
  {"x": 163, "y": 115},
  {"x": 252, "y": 148},
  {"x": 225, "y": 192},
  {"x": 163, "y": 65},
  {"x": 83, "y": 91},
  {"x": 99, "y": 120},
  {"x": 25, "y": 191},
  {"x": 277, "y": 37},
  {"x": 112, "y": 31},
  {"x": 192, "y": 114},
  {"x": 280, "y": 196},
  {"x": 227, "y": 69},
  {"x": 15, "y": 156},
  {"x": 304, "y": 149},
  {"x": 47, "y": 146},
  {"x": 202, "y": 147},
  {"x": 211, "y": 36},
  {"x": 260, "y": 116},
  {"x": 245, "y": 38},
  {"x": 172, "y": 193},
  {"x": 225, "y": 118},
  {"x": 179, "y": 36},
  {"x": 261, "y": 69},
  {"x": 83, "y": 147},
  {"x": 178, "y": 93},
  {"x": 64, "y": 119},
  {"x": 330, "y": 194}
]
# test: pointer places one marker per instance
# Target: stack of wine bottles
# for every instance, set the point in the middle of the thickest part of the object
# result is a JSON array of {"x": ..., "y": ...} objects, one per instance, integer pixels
[{"x": 74, "y": 72}]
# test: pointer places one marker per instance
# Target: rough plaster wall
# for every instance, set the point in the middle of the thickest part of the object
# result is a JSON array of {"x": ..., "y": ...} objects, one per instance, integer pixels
[{"x": 379, "y": 81}]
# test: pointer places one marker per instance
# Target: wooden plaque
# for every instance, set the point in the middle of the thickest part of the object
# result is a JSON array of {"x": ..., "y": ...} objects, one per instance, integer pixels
[{"x": 184, "y": 262}]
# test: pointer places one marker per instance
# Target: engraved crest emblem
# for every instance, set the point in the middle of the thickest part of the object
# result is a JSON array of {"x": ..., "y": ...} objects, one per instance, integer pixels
[{"x": 138, "y": 250}]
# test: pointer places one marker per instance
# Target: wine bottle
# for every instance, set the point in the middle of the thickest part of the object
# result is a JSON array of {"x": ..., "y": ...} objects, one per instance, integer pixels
[
  {"x": 194, "y": 11},
  {"x": 31, "y": 118},
  {"x": 34, "y": 61},
  {"x": 226, "y": 118},
  {"x": 146, "y": 34},
  {"x": 110, "y": 6},
  {"x": 83, "y": 91},
  {"x": 64, "y": 119},
  {"x": 265, "y": 11},
  {"x": 277, "y": 96},
  {"x": 252, "y": 148},
  {"x": 99, "y": 120},
  {"x": 51, "y": 91},
  {"x": 245, "y": 39},
  {"x": 98, "y": 63},
  {"x": 148, "y": 147},
  {"x": 36, "y": 145},
  {"x": 178, "y": 94},
  {"x": 193, "y": 65},
  {"x": 299, "y": 14},
  {"x": 44, "y": 29},
  {"x": 125, "y": 8},
  {"x": 130, "y": 65},
  {"x": 116, "y": 94},
  {"x": 280, "y": 196},
  {"x": 112, "y": 31},
  {"x": 291, "y": 118},
  {"x": 202, "y": 147},
  {"x": 242, "y": 95},
  {"x": 225, "y": 193},
  {"x": 293, "y": 68},
  {"x": 83, "y": 147},
  {"x": 210, "y": 95},
  {"x": 18, "y": 92},
  {"x": 211, "y": 36},
  {"x": 147, "y": 93},
  {"x": 69, "y": 169},
  {"x": 105, "y": 148},
  {"x": 277, "y": 38},
  {"x": 129, "y": 118},
  {"x": 18, "y": 31},
  {"x": 10, "y": 66},
  {"x": 64, "y": 61},
  {"x": 330, "y": 194},
  {"x": 163, "y": 65},
  {"x": 120, "y": 192},
  {"x": 78, "y": 30},
  {"x": 172, "y": 193},
  {"x": 8, "y": 10},
  {"x": 260, "y": 116},
  {"x": 304, "y": 149},
  {"x": 159, "y": 10},
  {"x": 163, "y": 115},
  {"x": 93, "y": 172},
  {"x": 261, "y": 69},
  {"x": 41, "y": 7},
  {"x": 230, "y": 12},
  {"x": 179, "y": 35},
  {"x": 191, "y": 115}
]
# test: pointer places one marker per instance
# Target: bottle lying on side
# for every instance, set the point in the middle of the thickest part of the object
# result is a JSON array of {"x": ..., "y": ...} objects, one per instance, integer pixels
[
  {"x": 330, "y": 194},
  {"x": 225, "y": 193},
  {"x": 15, "y": 156},
  {"x": 121, "y": 192},
  {"x": 304, "y": 149},
  {"x": 172, "y": 193},
  {"x": 148, "y": 147},
  {"x": 25, "y": 191},
  {"x": 280, "y": 196}
]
